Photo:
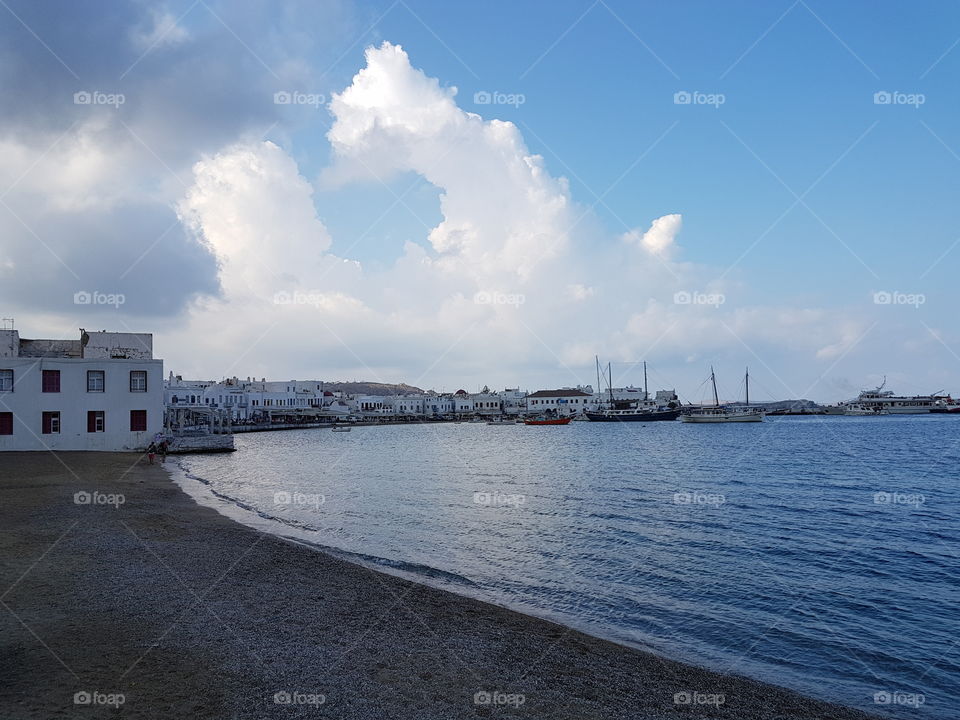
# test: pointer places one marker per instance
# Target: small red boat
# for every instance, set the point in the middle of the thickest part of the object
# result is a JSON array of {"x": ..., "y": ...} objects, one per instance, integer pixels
[{"x": 548, "y": 421}]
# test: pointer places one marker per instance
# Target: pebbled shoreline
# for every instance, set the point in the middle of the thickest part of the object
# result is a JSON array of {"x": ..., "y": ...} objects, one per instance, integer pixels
[{"x": 186, "y": 613}]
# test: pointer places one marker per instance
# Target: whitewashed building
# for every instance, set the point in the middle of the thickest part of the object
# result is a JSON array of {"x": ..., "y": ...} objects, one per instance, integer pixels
[
  {"x": 103, "y": 391},
  {"x": 565, "y": 401}
]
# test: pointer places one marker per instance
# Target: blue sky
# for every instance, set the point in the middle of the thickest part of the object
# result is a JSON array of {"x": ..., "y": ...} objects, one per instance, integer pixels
[{"x": 800, "y": 196}]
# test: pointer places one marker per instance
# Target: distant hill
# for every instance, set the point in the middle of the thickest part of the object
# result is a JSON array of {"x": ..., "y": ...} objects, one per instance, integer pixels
[
  {"x": 787, "y": 404},
  {"x": 371, "y": 388}
]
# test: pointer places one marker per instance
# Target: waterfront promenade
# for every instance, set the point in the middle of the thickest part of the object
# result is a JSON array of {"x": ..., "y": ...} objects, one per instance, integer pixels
[{"x": 135, "y": 590}]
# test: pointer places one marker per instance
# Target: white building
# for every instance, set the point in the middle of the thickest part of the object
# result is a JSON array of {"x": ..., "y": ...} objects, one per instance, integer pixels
[
  {"x": 101, "y": 392},
  {"x": 566, "y": 401}
]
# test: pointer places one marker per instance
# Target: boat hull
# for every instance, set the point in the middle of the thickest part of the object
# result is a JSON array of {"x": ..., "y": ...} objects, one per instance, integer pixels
[
  {"x": 752, "y": 417},
  {"x": 651, "y": 416},
  {"x": 552, "y": 421}
]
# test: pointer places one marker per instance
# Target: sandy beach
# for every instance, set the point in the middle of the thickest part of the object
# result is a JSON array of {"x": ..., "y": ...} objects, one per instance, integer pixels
[{"x": 131, "y": 600}]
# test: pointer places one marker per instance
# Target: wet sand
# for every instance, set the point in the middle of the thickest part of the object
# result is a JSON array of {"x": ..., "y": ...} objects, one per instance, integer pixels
[{"x": 188, "y": 614}]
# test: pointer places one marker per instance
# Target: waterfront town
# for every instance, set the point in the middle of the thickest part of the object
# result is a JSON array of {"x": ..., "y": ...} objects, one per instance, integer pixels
[{"x": 106, "y": 391}]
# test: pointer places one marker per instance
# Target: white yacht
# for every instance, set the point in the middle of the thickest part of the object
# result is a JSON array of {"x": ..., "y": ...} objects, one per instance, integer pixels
[
  {"x": 884, "y": 402},
  {"x": 722, "y": 413}
]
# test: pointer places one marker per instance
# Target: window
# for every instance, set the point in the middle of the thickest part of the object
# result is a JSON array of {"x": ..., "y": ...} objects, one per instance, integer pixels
[
  {"x": 138, "y": 421},
  {"x": 51, "y": 422},
  {"x": 95, "y": 420},
  {"x": 6, "y": 380},
  {"x": 6, "y": 423},
  {"x": 138, "y": 381},
  {"x": 95, "y": 380},
  {"x": 51, "y": 381}
]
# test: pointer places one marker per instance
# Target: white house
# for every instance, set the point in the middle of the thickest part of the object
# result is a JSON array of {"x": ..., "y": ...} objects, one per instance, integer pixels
[
  {"x": 101, "y": 392},
  {"x": 566, "y": 401}
]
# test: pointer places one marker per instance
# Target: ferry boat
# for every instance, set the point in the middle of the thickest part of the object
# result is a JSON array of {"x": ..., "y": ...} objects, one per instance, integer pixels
[
  {"x": 640, "y": 410},
  {"x": 884, "y": 402},
  {"x": 945, "y": 404},
  {"x": 722, "y": 413}
]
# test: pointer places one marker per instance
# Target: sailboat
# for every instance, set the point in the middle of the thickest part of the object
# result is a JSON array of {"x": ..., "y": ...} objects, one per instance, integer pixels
[
  {"x": 645, "y": 410},
  {"x": 721, "y": 413}
]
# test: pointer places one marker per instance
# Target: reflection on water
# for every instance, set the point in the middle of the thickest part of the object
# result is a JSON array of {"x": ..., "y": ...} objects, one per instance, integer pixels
[{"x": 816, "y": 553}]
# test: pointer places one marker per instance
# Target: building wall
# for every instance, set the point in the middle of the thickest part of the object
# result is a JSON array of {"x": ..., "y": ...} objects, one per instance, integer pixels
[{"x": 27, "y": 403}]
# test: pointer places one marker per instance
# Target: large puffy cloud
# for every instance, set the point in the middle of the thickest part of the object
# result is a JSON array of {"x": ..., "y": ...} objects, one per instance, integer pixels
[
  {"x": 503, "y": 212},
  {"x": 508, "y": 283},
  {"x": 88, "y": 191}
]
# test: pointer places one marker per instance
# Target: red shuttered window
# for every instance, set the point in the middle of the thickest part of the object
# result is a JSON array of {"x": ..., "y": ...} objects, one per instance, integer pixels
[
  {"x": 51, "y": 381},
  {"x": 6, "y": 423},
  {"x": 95, "y": 421},
  {"x": 50, "y": 423},
  {"x": 138, "y": 420}
]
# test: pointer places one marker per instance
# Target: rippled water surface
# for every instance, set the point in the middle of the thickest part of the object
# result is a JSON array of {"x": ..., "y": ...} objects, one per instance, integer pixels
[{"x": 821, "y": 554}]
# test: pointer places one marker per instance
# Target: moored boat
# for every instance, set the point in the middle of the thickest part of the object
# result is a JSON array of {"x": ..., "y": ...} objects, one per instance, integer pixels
[
  {"x": 640, "y": 410},
  {"x": 721, "y": 413},
  {"x": 884, "y": 402},
  {"x": 548, "y": 421}
]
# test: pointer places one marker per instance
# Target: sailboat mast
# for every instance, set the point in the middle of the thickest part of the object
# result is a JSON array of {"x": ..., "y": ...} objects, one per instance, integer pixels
[
  {"x": 746, "y": 382},
  {"x": 599, "y": 389},
  {"x": 713, "y": 381},
  {"x": 646, "y": 394},
  {"x": 610, "y": 383}
]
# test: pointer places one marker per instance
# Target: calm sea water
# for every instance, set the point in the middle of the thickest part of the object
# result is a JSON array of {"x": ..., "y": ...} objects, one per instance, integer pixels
[{"x": 820, "y": 554}]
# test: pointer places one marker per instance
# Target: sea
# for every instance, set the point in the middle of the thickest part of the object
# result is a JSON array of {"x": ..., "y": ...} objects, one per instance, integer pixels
[{"x": 821, "y": 554}]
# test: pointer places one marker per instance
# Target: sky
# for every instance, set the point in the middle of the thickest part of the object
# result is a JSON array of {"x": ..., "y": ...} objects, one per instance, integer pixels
[{"x": 455, "y": 195}]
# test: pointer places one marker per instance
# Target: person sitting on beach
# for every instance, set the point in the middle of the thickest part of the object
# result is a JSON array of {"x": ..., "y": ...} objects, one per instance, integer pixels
[{"x": 151, "y": 452}]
